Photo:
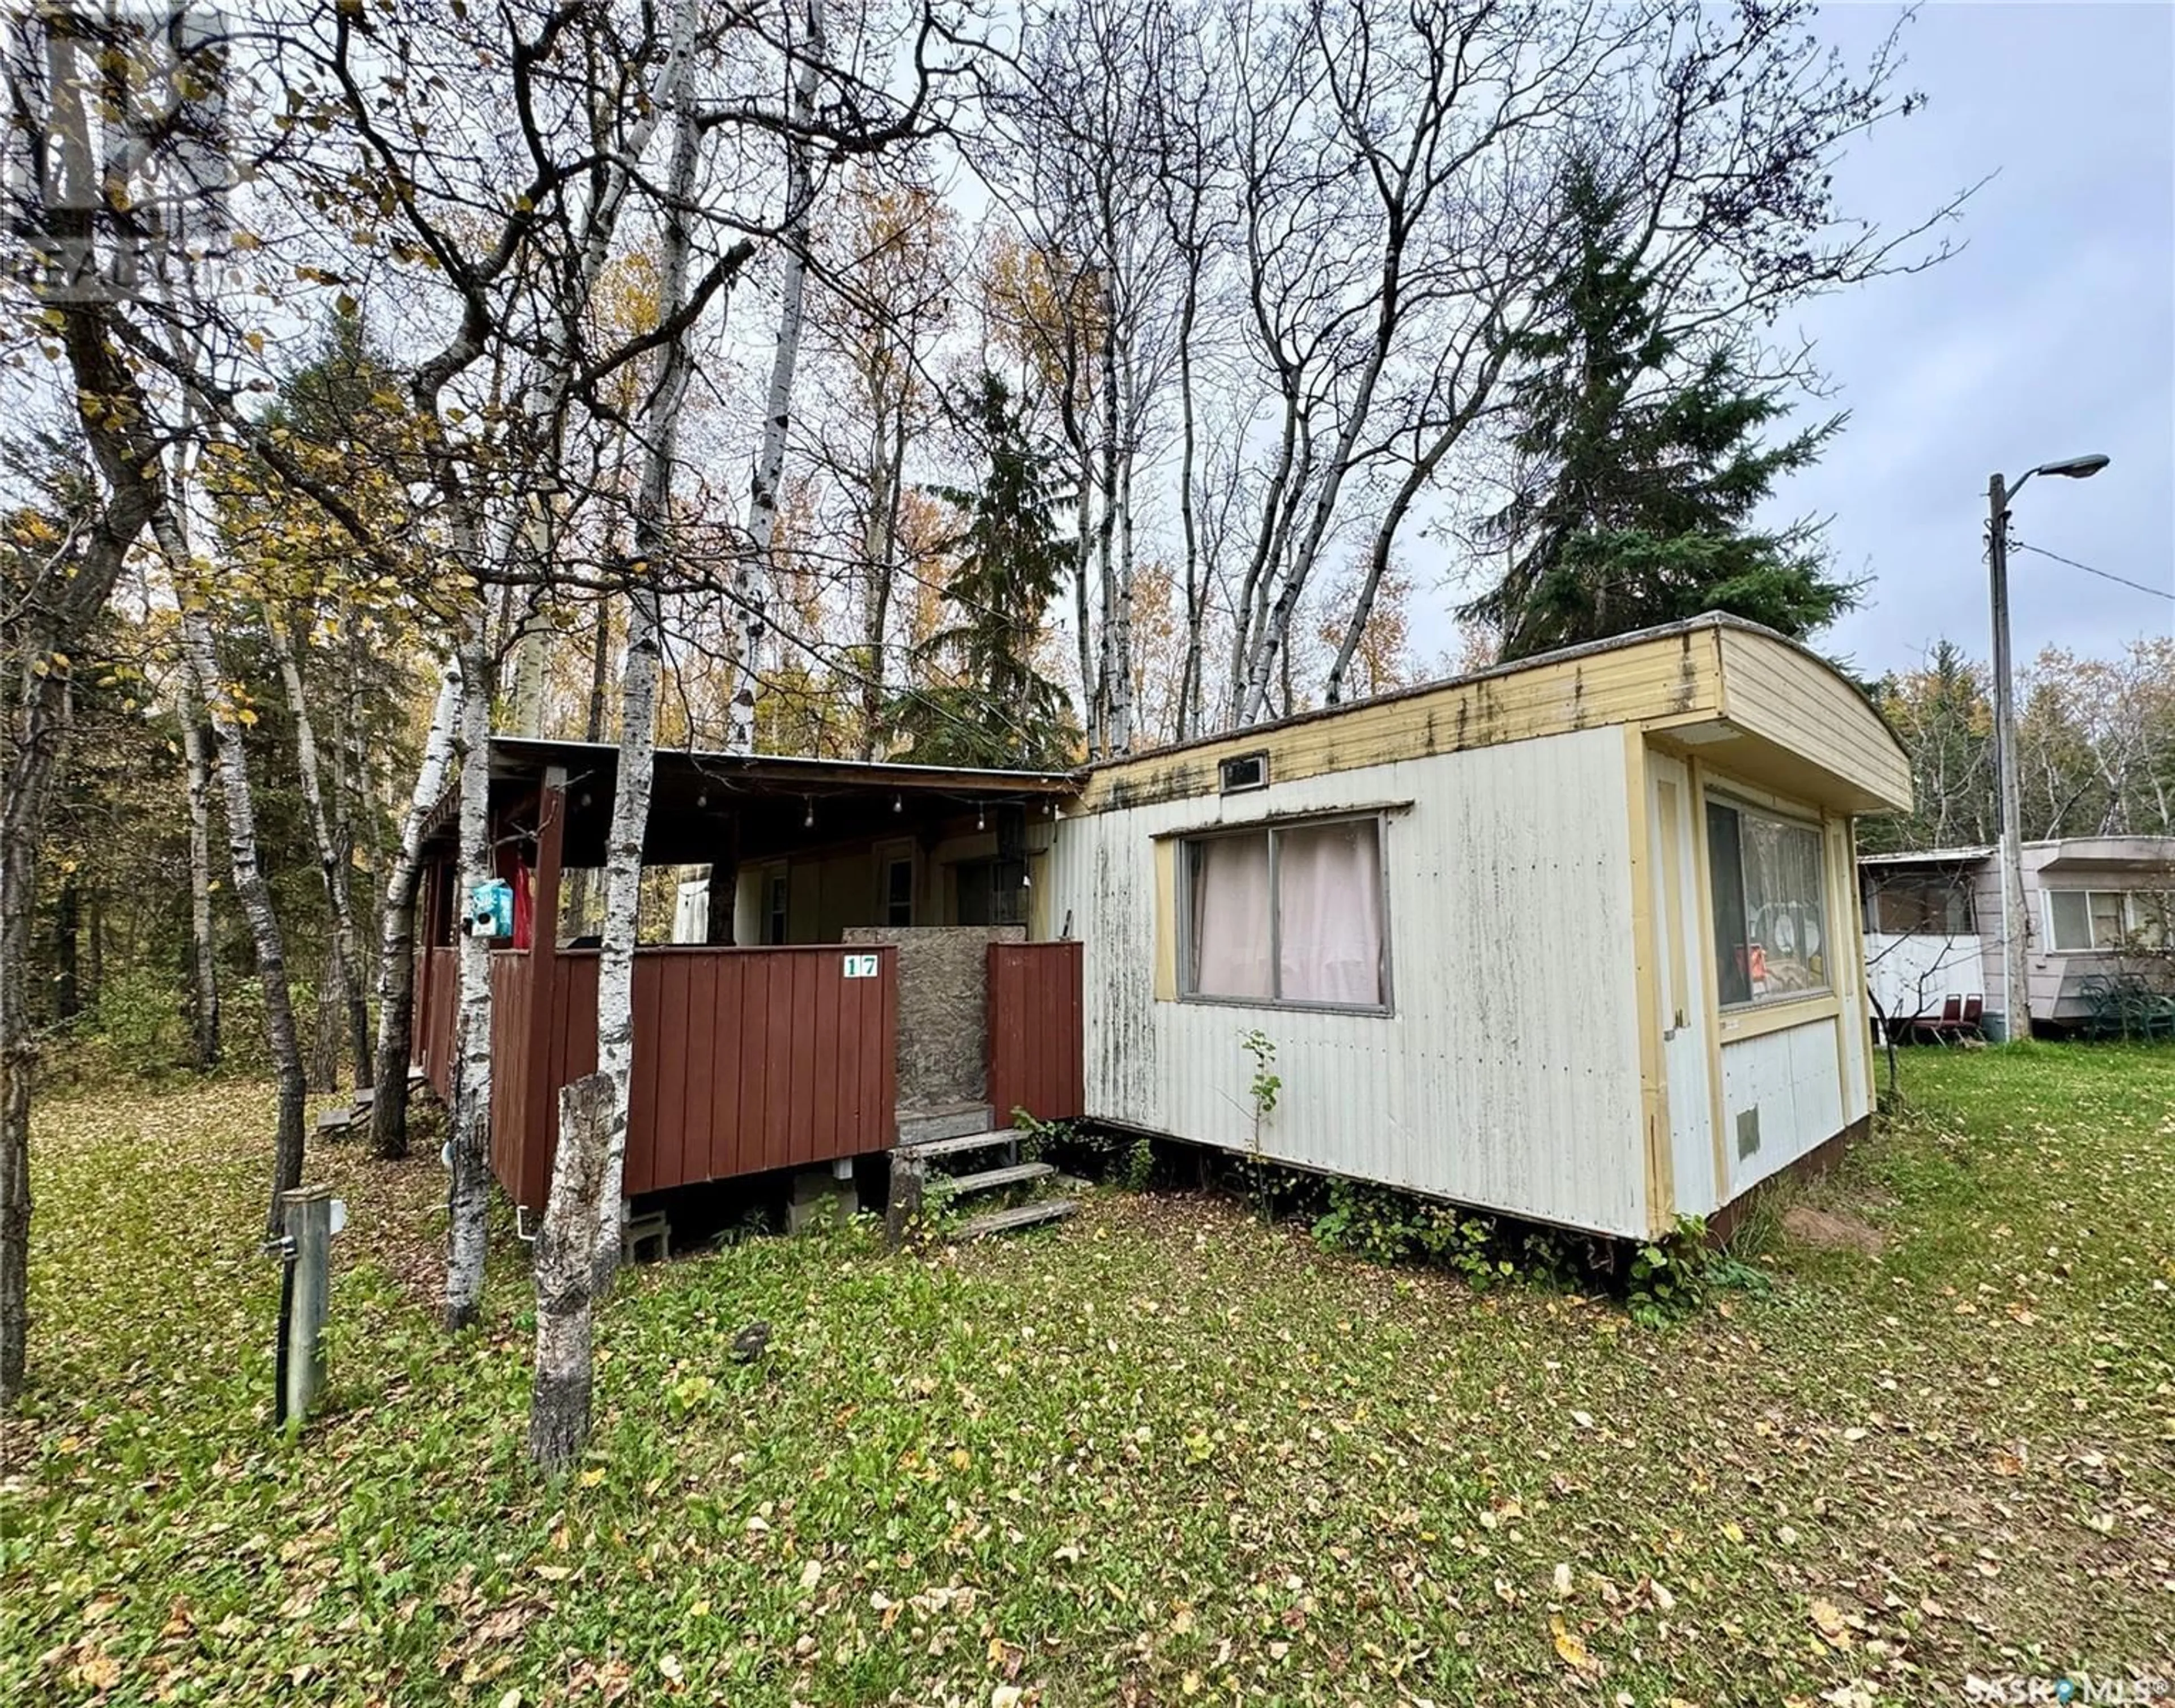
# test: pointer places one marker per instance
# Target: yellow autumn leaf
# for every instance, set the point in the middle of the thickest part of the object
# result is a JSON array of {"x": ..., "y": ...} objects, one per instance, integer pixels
[
  {"x": 1828, "y": 1617},
  {"x": 1574, "y": 1652},
  {"x": 594, "y": 1476}
]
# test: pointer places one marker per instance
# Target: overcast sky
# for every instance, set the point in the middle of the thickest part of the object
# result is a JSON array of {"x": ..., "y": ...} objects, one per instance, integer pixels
[{"x": 2051, "y": 334}]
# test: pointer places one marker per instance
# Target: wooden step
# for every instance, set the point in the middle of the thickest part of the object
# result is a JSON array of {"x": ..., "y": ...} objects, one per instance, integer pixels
[
  {"x": 921, "y": 1126},
  {"x": 957, "y": 1146},
  {"x": 1014, "y": 1219},
  {"x": 989, "y": 1179}
]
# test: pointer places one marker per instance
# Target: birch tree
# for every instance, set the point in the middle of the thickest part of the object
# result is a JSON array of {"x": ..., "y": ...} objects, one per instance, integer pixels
[
  {"x": 342, "y": 966},
  {"x": 637, "y": 710},
  {"x": 877, "y": 318},
  {"x": 226, "y": 715},
  {"x": 396, "y": 961},
  {"x": 750, "y": 589},
  {"x": 203, "y": 947},
  {"x": 81, "y": 230}
]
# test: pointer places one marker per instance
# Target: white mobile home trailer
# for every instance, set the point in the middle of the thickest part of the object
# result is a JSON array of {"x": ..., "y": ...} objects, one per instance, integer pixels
[
  {"x": 1575, "y": 940},
  {"x": 2095, "y": 908}
]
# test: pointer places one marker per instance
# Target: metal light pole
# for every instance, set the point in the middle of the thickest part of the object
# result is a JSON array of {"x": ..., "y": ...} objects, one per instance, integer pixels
[{"x": 2015, "y": 986}]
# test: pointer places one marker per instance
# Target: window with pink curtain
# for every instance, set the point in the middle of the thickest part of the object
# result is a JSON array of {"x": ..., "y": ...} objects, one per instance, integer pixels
[
  {"x": 1230, "y": 941},
  {"x": 1329, "y": 914},
  {"x": 1292, "y": 914}
]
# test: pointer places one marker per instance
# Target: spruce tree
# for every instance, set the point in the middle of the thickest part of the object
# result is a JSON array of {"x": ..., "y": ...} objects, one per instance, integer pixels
[
  {"x": 997, "y": 708},
  {"x": 1641, "y": 464}
]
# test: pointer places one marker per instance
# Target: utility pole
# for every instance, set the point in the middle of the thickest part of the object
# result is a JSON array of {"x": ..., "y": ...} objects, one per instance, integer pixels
[{"x": 2016, "y": 984}]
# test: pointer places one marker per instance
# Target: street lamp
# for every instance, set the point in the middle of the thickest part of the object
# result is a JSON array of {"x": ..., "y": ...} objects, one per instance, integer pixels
[{"x": 2015, "y": 991}]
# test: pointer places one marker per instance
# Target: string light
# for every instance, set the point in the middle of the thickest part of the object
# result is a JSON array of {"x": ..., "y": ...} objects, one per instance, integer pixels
[
  {"x": 898, "y": 803},
  {"x": 808, "y": 818}
]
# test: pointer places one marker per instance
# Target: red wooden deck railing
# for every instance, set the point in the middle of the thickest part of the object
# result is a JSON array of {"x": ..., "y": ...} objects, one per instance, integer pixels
[
  {"x": 1037, "y": 1061},
  {"x": 438, "y": 977},
  {"x": 744, "y": 1059}
]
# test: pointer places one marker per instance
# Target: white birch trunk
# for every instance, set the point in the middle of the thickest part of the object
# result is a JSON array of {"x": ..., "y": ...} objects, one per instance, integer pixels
[
  {"x": 1109, "y": 690},
  {"x": 566, "y": 1264},
  {"x": 469, "y": 1193},
  {"x": 204, "y": 972},
  {"x": 250, "y": 887},
  {"x": 344, "y": 971},
  {"x": 1123, "y": 709},
  {"x": 396, "y": 961},
  {"x": 638, "y": 738},
  {"x": 751, "y": 575}
]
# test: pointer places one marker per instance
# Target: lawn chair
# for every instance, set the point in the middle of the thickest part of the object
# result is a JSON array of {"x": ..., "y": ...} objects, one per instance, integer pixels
[
  {"x": 2102, "y": 1001},
  {"x": 1951, "y": 1022},
  {"x": 1970, "y": 1023}
]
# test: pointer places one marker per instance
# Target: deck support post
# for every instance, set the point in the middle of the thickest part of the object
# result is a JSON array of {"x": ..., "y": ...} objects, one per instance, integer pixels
[
  {"x": 533, "y": 1168},
  {"x": 903, "y": 1208}
]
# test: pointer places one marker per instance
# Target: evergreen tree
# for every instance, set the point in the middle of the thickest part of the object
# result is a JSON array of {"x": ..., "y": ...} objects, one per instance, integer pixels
[
  {"x": 996, "y": 707},
  {"x": 1642, "y": 465}
]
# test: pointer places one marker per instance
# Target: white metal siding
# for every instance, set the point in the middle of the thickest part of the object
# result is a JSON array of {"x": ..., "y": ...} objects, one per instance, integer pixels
[
  {"x": 1794, "y": 1079},
  {"x": 1508, "y": 1075},
  {"x": 1914, "y": 973}
]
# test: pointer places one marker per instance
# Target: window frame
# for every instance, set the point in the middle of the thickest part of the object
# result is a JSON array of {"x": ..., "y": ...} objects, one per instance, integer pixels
[
  {"x": 777, "y": 907},
  {"x": 1952, "y": 894},
  {"x": 2131, "y": 923},
  {"x": 1184, "y": 876},
  {"x": 1790, "y": 818}
]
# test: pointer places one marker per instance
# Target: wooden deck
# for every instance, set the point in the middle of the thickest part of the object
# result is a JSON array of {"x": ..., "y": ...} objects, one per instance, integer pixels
[{"x": 744, "y": 1059}]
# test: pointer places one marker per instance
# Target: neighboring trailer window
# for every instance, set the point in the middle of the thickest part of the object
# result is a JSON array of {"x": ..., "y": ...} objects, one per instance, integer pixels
[
  {"x": 1921, "y": 907},
  {"x": 2079, "y": 921},
  {"x": 1769, "y": 912},
  {"x": 1291, "y": 913}
]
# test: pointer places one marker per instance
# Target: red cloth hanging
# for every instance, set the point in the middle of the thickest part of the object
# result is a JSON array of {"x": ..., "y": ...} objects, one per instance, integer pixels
[{"x": 524, "y": 906}]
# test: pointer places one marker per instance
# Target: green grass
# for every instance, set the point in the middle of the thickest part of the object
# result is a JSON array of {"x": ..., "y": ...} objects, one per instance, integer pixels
[{"x": 1163, "y": 1453}]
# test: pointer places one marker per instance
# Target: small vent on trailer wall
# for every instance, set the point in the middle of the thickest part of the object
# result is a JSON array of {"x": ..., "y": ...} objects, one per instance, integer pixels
[
  {"x": 1247, "y": 771},
  {"x": 1748, "y": 1131}
]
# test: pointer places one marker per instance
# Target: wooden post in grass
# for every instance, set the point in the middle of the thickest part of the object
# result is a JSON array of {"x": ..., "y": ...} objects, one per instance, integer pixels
[
  {"x": 566, "y": 1259},
  {"x": 903, "y": 1212}
]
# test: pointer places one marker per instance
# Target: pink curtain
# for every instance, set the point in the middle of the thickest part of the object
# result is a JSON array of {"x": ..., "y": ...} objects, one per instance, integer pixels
[
  {"x": 1329, "y": 883},
  {"x": 1231, "y": 917}
]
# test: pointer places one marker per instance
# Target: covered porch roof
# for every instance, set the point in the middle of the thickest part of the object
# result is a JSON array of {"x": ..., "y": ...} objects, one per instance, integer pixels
[{"x": 704, "y": 802}]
